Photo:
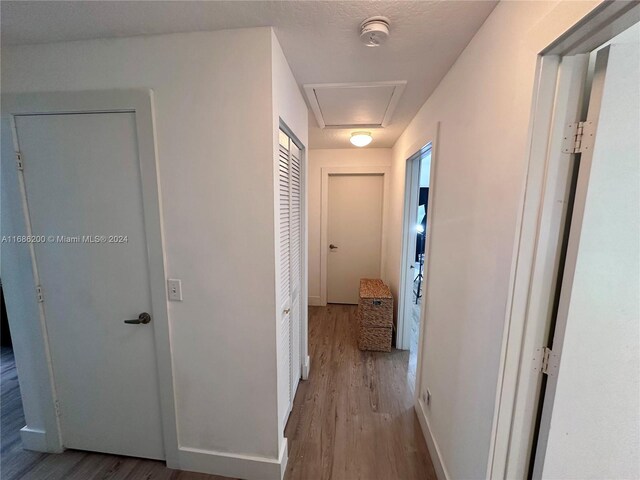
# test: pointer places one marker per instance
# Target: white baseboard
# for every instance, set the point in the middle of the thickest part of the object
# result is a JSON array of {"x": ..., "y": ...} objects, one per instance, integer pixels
[
  {"x": 36, "y": 440},
  {"x": 315, "y": 302},
  {"x": 432, "y": 445},
  {"x": 247, "y": 467},
  {"x": 306, "y": 368}
]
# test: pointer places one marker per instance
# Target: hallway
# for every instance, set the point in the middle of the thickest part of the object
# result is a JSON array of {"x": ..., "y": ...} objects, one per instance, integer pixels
[{"x": 354, "y": 417}]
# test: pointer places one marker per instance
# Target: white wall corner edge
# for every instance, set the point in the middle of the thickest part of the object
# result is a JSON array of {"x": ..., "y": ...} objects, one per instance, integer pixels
[
  {"x": 306, "y": 368},
  {"x": 316, "y": 301},
  {"x": 36, "y": 440},
  {"x": 432, "y": 445},
  {"x": 233, "y": 465}
]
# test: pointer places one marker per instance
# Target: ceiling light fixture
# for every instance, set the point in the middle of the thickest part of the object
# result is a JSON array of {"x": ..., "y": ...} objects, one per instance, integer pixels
[
  {"x": 374, "y": 31},
  {"x": 361, "y": 139}
]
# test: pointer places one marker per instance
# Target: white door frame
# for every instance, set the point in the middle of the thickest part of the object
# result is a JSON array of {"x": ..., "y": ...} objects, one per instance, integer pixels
[
  {"x": 324, "y": 217},
  {"x": 409, "y": 214},
  {"x": 430, "y": 136},
  {"x": 304, "y": 254},
  {"x": 558, "y": 95},
  {"x": 411, "y": 194},
  {"x": 139, "y": 102}
]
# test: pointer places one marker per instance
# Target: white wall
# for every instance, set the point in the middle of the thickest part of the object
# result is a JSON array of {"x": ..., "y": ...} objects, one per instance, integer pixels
[
  {"x": 290, "y": 107},
  {"x": 483, "y": 105},
  {"x": 215, "y": 134},
  {"x": 347, "y": 157}
]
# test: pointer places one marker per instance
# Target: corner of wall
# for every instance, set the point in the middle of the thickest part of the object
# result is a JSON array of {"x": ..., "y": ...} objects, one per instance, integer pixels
[
  {"x": 288, "y": 107},
  {"x": 432, "y": 445},
  {"x": 247, "y": 467}
]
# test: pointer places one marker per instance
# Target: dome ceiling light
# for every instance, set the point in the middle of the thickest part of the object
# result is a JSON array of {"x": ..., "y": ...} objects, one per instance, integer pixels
[{"x": 361, "y": 139}]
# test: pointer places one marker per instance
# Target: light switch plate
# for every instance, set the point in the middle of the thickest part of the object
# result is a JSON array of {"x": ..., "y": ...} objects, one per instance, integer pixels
[{"x": 175, "y": 289}]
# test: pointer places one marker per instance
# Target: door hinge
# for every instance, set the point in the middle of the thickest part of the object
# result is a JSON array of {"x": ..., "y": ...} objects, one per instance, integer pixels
[
  {"x": 19, "y": 163},
  {"x": 578, "y": 137},
  {"x": 546, "y": 361},
  {"x": 39, "y": 294},
  {"x": 56, "y": 405}
]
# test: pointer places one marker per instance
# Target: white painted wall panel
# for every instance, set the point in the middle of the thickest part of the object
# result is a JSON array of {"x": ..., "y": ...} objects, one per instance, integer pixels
[
  {"x": 214, "y": 131},
  {"x": 483, "y": 105},
  {"x": 289, "y": 106}
]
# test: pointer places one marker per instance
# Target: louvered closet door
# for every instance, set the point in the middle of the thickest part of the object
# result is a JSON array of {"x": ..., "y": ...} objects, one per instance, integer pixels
[
  {"x": 290, "y": 238},
  {"x": 295, "y": 167},
  {"x": 284, "y": 294}
]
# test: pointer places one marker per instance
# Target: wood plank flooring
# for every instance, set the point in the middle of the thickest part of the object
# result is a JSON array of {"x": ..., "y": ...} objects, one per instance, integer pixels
[
  {"x": 353, "y": 419},
  {"x": 19, "y": 464}
]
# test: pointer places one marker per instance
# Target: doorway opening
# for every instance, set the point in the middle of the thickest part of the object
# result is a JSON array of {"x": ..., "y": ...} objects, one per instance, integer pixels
[
  {"x": 599, "y": 249},
  {"x": 416, "y": 233},
  {"x": 292, "y": 261},
  {"x": 576, "y": 239}
]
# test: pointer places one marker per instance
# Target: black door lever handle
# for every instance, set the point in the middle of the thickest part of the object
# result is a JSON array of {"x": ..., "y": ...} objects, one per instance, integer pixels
[{"x": 143, "y": 319}]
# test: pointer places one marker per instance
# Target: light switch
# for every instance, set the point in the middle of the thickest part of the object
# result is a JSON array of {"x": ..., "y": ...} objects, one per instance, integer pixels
[{"x": 175, "y": 289}]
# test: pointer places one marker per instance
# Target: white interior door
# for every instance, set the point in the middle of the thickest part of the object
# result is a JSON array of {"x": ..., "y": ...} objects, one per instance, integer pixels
[
  {"x": 406, "y": 311},
  {"x": 284, "y": 289},
  {"x": 296, "y": 265},
  {"x": 354, "y": 234},
  {"x": 82, "y": 178},
  {"x": 290, "y": 189},
  {"x": 591, "y": 415}
]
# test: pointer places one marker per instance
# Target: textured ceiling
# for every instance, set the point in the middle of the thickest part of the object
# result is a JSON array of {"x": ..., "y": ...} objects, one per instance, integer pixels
[{"x": 319, "y": 39}]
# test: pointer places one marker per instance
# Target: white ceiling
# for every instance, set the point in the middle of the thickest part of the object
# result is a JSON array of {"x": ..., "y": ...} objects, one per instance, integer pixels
[{"x": 319, "y": 38}]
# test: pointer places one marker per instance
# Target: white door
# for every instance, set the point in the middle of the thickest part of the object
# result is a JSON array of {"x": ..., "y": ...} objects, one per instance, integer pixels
[
  {"x": 354, "y": 234},
  {"x": 290, "y": 246},
  {"x": 284, "y": 289},
  {"x": 296, "y": 265},
  {"x": 591, "y": 415},
  {"x": 82, "y": 178}
]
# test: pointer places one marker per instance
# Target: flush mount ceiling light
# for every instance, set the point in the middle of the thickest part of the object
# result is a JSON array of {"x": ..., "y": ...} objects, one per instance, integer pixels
[
  {"x": 374, "y": 31},
  {"x": 361, "y": 139}
]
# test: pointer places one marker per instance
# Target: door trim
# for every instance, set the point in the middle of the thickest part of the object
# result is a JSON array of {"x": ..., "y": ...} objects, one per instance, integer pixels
[
  {"x": 556, "y": 100},
  {"x": 567, "y": 277},
  {"x": 409, "y": 242},
  {"x": 304, "y": 285},
  {"x": 324, "y": 218},
  {"x": 304, "y": 254},
  {"x": 140, "y": 102},
  {"x": 412, "y": 173}
]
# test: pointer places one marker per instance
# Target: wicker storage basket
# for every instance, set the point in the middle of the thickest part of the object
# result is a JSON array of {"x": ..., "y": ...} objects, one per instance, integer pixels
[
  {"x": 375, "y": 338},
  {"x": 375, "y": 305},
  {"x": 375, "y": 316}
]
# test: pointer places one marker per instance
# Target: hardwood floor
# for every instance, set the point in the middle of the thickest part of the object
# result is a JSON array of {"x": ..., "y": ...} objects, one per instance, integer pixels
[
  {"x": 353, "y": 419},
  {"x": 19, "y": 464}
]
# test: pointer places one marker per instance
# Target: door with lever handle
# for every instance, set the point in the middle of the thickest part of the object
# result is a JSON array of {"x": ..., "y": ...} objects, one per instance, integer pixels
[{"x": 143, "y": 319}]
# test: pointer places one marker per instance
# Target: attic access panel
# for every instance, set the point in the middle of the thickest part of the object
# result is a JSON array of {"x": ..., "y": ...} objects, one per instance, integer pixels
[{"x": 349, "y": 105}]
